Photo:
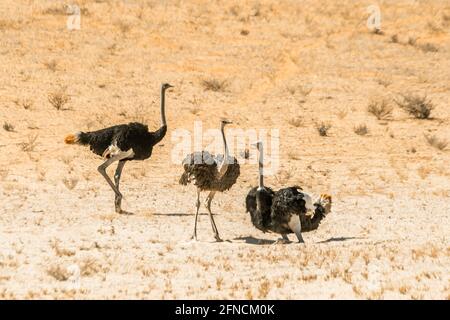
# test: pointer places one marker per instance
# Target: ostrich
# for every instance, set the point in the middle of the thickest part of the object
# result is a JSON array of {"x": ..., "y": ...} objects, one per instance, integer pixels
[
  {"x": 210, "y": 173},
  {"x": 284, "y": 211},
  {"x": 122, "y": 143}
]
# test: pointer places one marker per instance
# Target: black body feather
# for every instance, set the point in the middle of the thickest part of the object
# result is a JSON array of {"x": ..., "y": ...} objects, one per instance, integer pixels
[
  {"x": 260, "y": 218},
  {"x": 125, "y": 136},
  {"x": 278, "y": 207}
]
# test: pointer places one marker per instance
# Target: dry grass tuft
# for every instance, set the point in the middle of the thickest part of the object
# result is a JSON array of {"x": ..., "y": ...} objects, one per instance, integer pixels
[
  {"x": 437, "y": 143},
  {"x": 381, "y": 109},
  {"x": 24, "y": 103},
  {"x": 59, "y": 99},
  {"x": 361, "y": 130},
  {"x": 296, "y": 122},
  {"x": 214, "y": 85},
  {"x": 8, "y": 127},
  {"x": 58, "y": 272},
  {"x": 323, "y": 128},
  {"x": 70, "y": 183},
  {"x": 418, "y": 106},
  {"x": 30, "y": 144},
  {"x": 51, "y": 65}
]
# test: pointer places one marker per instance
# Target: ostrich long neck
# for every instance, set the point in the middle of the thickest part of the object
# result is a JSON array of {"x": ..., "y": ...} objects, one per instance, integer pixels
[
  {"x": 261, "y": 167},
  {"x": 224, "y": 166},
  {"x": 163, "y": 106},
  {"x": 159, "y": 134},
  {"x": 225, "y": 146}
]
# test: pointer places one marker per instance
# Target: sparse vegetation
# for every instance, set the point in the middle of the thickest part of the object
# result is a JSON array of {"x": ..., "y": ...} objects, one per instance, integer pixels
[
  {"x": 24, "y": 103},
  {"x": 8, "y": 127},
  {"x": 214, "y": 85},
  {"x": 296, "y": 122},
  {"x": 70, "y": 183},
  {"x": 440, "y": 144},
  {"x": 30, "y": 144},
  {"x": 418, "y": 106},
  {"x": 381, "y": 109},
  {"x": 361, "y": 130},
  {"x": 59, "y": 99},
  {"x": 323, "y": 128}
]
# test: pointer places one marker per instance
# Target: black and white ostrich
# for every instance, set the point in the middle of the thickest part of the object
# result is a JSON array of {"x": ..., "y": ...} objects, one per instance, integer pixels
[
  {"x": 122, "y": 143},
  {"x": 210, "y": 173},
  {"x": 284, "y": 211}
]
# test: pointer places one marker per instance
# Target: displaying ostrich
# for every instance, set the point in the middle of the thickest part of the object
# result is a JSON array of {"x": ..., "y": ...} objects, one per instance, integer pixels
[
  {"x": 284, "y": 211},
  {"x": 210, "y": 173},
  {"x": 122, "y": 143}
]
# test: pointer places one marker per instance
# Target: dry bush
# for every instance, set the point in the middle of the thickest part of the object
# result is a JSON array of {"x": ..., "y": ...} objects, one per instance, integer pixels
[
  {"x": 8, "y": 127},
  {"x": 24, "y": 103},
  {"x": 296, "y": 122},
  {"x": 323, "y": 128},
  {"x": 30, "y": 144},
  {"x": 214, "y": 84},
  {"x": 58, "y": 272},
  {"x": 263, "y": 289},
  {"x": 51, "y": 65},
  {"x": 341, "y": 114},
  {"x": 361, "y": 130},
  {"x": 123, "y": 26},
  {"x": 429, "y": 47},
  {"x": 394, "y": 38},
  {"x": 58, "y": 98},
  {"x": 381, "y": 109},
  {"x": 418, "y": 106},
  {"x": 70, "y": 183},
  {"x": 437, "y": 143},
  {"x": 412, "y": 41},
  {"x": 55, "y": 244},
  {"x": 89, "y": 266}
]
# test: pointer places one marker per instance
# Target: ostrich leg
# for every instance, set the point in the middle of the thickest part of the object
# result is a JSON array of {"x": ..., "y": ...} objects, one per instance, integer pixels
[
  {"x": 213, "y": 224},
  {"x": 117, "y": 175},
  {"x": 296, "y": 226},
  {"x": 107, "y": 163},
  {"x": 197, "y": 204}
]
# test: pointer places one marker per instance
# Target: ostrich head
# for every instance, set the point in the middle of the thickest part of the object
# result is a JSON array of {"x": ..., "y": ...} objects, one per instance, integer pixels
[
  {"x": 224, "y": 122},
  {"x": 257, "y": 144},
  {"x": 325, "y": 201},
  {"x": 166, "y": 86}
]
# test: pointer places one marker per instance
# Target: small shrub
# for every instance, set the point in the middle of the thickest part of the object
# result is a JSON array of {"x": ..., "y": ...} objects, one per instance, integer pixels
[
  {"x": 24, "y": 103},
  {"x": 381, "y": 109},
  {"x": 8, "y": 127},
  {"x": 296, "y": 122},
  {"x": 361, "y": 130},
  {"x": 428, "y": 47},
  {"x": 418, "y": 106},
  {"x": 51, "y": 65},
  {"x": 437, "y": 143},
  {"x": 214, "y": 85},
  {"x": 58, "y": 99},
  {"x": 323, "y": 128},
  {"x": 394, "y": 38},
  {"x": 30, "y": 144},
  {"x": 70, "y": 183}
]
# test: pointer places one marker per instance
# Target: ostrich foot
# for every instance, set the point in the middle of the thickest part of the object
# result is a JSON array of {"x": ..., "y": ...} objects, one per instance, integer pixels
[
  {"x": 194, "y": 237},
  {"x": 282, "y": 241},
  {"x": 124, "y": 212},
  {"x": 218, "y": 239}
]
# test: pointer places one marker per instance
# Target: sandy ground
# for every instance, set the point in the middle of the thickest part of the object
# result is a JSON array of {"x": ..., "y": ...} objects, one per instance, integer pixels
[{"x": 286, "y": 65}]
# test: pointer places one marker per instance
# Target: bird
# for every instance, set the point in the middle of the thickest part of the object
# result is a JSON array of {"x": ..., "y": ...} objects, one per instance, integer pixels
[
  {"x": 210, "y": 173},
  {"x": 122, "y": 143},
  {"x": 284, "y": 211}
]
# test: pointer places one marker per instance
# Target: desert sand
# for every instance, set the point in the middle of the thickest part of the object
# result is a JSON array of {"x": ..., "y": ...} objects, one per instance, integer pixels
[{"x": 289, "y": 65}]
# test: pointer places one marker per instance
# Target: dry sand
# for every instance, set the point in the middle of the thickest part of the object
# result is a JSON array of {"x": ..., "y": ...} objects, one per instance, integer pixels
[{"x": 287, "y": 65}]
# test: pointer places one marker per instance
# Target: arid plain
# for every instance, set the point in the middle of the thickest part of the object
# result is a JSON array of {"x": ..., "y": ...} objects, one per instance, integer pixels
[{"x": 296, "y": 66}]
